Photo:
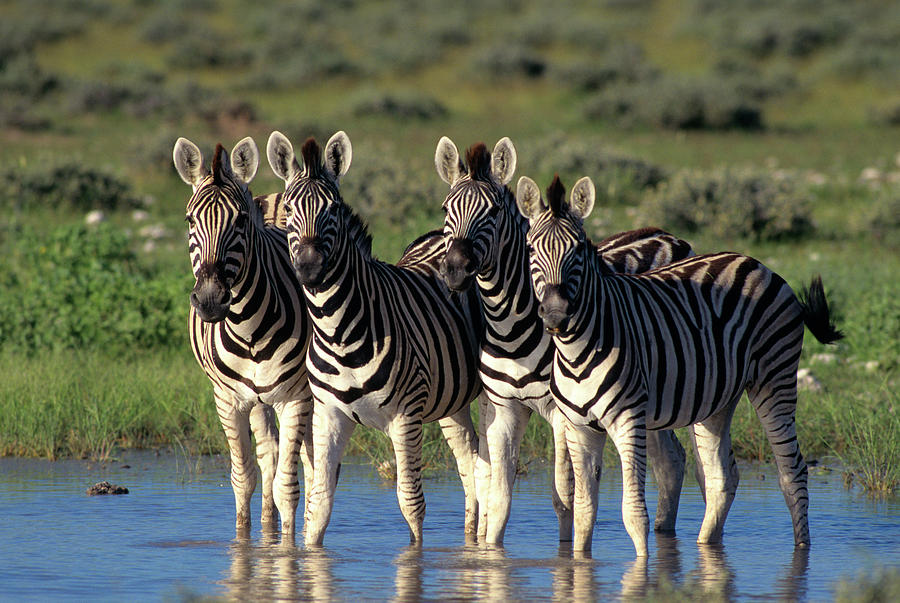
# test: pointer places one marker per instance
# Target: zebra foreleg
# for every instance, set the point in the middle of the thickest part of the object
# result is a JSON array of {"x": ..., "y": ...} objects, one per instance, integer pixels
[
  {"x": 243, "y": 468},
  {"x": 586, "y": 448},
  {"x": 630, "y": 439},
  {"x": 292, "y": 419},
  {"x": 667, "y": 458},
  {"x": 563, "y": 478},
  {"x": 483, "y": 467},
  {"x": 331, "y": 432},
  {"x": 306, "y": 457},
  {"x": 506, "y": 422},
  {"x": 459, "y": 432},
  {"x": 406, "y": 436},
  {"x": 265, "y": 432},
  {"x": 712, "y": 439}
]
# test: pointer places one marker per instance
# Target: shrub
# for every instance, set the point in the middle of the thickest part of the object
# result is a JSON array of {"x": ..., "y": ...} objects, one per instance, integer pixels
[
  {"x": 730, "y": 203},
  {"x": 509, "y": 61},
  {"x": 679, "y": 104},
  {"x": 398, "y": 105},
  {"x": 67, "y": 185},
  {"x": 81, "y": 287}
]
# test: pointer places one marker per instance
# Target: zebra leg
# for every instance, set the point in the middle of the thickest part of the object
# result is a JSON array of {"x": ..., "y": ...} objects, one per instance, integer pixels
[
  {"x": 331, "y": 432},
  {"x": 243, "y": 468},
  {"x": 667, "y": 461},
  {"x": 406, "y": 436},
  {"x": 563, "y": 478},
  {"x": 265, "y": 432},
  {"x": 483, "y": 467},
  {"x": 459, "y": 432},
  {"x": 292, "y": 418},
  {"x": 630, "y": 439},
  {"x": 306, "y": 457},
  {"x": 775, "y": 401},
  {"x": 506, "y": 421},
  {"x": 586, "y": 448},
  {"x": 712, "y": 439}
]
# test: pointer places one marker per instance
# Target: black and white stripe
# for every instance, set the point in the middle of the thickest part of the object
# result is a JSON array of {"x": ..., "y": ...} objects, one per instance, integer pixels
[
  {"x": 392, "y": 348},
  {"x": 674, "y": 347},
  {"x": 249, "y": 327},
  {"x": 485, "y": 237}
]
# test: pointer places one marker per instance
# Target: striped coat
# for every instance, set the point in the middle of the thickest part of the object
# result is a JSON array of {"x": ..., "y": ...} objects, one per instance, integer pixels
[
  {"x": 674, "y": 347},
  {"x": 249, "y": 327},
  {"x": 391, "y": 348}
]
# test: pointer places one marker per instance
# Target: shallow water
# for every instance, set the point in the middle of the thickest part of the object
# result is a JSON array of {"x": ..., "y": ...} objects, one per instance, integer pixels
[{"x": 172, "y": 537}]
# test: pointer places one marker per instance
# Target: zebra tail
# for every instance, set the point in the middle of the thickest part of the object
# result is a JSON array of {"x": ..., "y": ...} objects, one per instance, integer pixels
[{"x": 816, "y": 314}]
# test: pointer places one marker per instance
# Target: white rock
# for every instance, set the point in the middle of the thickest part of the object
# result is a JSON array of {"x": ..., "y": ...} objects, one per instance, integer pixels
[
  {"x": 94, "y": 217},
  {"x": 807, "y": 381}
]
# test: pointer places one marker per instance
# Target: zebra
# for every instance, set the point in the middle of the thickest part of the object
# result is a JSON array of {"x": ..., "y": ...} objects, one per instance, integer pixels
[
  {"x": 391, "y": 347},
  {"x": 485, "y": 243},
  {"x": 670, "y": 348},
  {"x": 249, "y": 327}
]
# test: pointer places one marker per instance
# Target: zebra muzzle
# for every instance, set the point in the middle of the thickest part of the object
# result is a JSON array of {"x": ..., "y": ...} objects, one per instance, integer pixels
[
  {"x": 309, "y": 265},
  {"x": 459, "y": 264},
  {"x": 554, "y": 309},
  {"x": 211, "y": 299}
]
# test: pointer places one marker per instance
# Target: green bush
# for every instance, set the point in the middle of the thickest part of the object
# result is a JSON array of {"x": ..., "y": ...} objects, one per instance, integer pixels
[
  {"x": 679, "y": 104},
  {"x": 82, "y": 287},
  {"x": 65, "y": 185},
  {"x": 398, "y": 105},
  {"x": 731, "y": 203}
]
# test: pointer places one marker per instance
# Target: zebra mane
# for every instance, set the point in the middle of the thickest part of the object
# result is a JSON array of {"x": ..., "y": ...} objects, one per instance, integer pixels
[
  {"x": 556, "y": 195},
  {"x": 478, "y": 160},
  {"x": 217, "y": 165},
  {"x": 356, "y": 229},
  {"x": 311, "y": 153}
]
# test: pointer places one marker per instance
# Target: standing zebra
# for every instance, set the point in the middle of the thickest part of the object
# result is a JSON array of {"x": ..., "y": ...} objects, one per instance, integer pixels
[
  {"x": 391, "y": 347},
  {"x": 670, "y": 348},
  {"x": 485, "y": 237},
  {"x": 249, "y": 327}
]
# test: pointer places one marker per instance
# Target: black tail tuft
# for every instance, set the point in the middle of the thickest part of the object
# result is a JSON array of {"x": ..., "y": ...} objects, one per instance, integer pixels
[{"x": 816, "y": 315}]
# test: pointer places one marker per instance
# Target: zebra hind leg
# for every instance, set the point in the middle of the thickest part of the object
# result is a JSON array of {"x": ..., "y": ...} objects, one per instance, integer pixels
[
  {"x": 459, "y": 432},
  {"x": 406, "y": 436},
  {"x": 236, "y": 425},
  {"x": 775, "y": 401},
  {"x": 265, "y": 433},
  {"x": 667, "y": 460},
  {"x": 712, "y": 442}
]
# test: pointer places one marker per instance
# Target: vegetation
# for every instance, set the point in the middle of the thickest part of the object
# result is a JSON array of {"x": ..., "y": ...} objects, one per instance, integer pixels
[{"x": 763, "y": 127}]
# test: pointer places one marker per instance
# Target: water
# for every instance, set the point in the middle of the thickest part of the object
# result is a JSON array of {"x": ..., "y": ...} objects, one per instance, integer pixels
[{"x": 172, "y": 537}]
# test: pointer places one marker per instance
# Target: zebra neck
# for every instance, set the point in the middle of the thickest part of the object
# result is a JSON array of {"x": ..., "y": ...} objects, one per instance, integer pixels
[
  {"x": 593, "y": 308},
  {"x": 257, "y": 299},
  {"x": 341, "y": 305},
  {"x": 506, "y": 289}
]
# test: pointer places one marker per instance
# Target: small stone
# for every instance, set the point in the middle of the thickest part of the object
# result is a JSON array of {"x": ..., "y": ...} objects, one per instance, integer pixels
[
  {"x": 824, "y": 358},
  {"x": 101, "y": 488},
  {"x": 807, "y": 381},
  {"x": 92, "y": 218}
]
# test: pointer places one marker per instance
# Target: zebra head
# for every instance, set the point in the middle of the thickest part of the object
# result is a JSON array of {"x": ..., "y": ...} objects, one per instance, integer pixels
[
  {"x": 558, "y": 246},
  {"x": 477, "y": 193},
  {"x": 311, "y": 199},
  {"x": 218, "y": 216}
]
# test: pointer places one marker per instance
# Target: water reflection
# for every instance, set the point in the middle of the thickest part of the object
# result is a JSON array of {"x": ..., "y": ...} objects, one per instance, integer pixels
[{"x": 574, "y": 578}]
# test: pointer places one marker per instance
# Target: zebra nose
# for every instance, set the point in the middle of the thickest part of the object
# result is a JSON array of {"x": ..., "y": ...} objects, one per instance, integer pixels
[
  {"x": 308, "y": 264},
  {"x": 211, "y": 299},
  {"x": 554, "y": 309},
  {"x": 459, "y": 264}
]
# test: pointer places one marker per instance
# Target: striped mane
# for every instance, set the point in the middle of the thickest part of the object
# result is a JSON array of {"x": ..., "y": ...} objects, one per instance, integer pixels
[
  {"x": 356, "y": 229},
  {"x": 556, "y": 195},
  {"x": 478, "y": 161},
  {"x": 217, "y": 165}
]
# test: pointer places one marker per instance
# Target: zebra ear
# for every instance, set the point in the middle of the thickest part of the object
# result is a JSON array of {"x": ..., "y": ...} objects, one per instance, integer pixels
[
  {"x": 281, "y": 157},
  {"x": 503, "y": 160},
  {"x": 528, "y": 199},
  {"x": 189, "y": 162},
  {"x": 582, "y": 198},
  {"x": 245, "y": 160},
  {"x": 446, "y": 159},
  {"x": 338, "y": 154}
]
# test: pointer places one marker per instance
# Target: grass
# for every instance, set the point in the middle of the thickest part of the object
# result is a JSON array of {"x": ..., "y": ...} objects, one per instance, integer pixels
[{"x": 91, "y": 401}]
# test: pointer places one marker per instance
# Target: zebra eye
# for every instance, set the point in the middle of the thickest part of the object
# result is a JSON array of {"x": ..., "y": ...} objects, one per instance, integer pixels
[
  {"x": 190, "y": 220},
  {"x": 287, "y": 210},
  {"x": 241, "y": 221}
]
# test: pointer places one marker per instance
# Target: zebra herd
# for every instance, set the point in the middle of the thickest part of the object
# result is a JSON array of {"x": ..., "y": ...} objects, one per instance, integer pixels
[{"x": 304, "y": 334}]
